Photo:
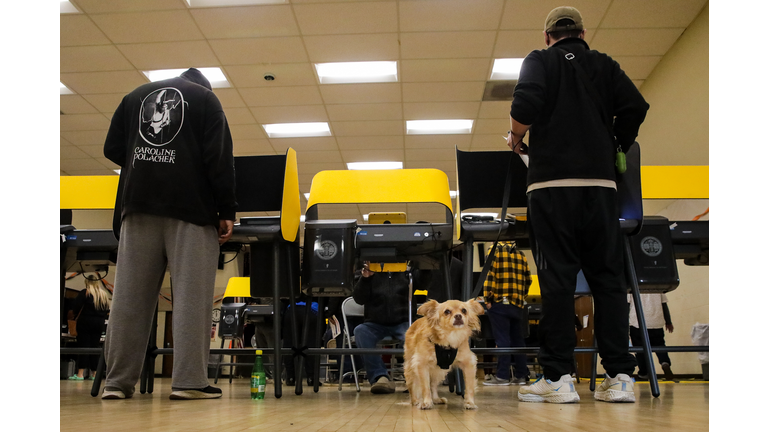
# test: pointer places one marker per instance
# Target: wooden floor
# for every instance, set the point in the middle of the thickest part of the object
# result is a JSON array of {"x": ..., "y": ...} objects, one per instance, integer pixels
[{"x": 680, "y": 407}]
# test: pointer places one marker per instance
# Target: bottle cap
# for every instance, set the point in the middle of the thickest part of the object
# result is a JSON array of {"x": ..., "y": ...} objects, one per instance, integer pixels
[{"x": 258, "y": 352}]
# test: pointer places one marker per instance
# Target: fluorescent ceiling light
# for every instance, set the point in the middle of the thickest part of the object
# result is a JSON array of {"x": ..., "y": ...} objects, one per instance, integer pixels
[
  {"x": 64, "y": 90},
  {"x": 365, "y": 217},
  {"x": 374, "y": 165},
  {"x": 216, "y": 3},
  {"x": 117, "y": 171},
  {"x": 425, "y": 127},
  {"x": 357, "y": 72},
  {"x": 294, "y": 130},
  {"x": 306, "y": 195},
  {"x": 506, "y": 69},
  {"x": 302, "y": 218},
  {"x": 453, "y": 194},
  {"x": 213, "y": 74},
  {"x": 67, "y": 7}
]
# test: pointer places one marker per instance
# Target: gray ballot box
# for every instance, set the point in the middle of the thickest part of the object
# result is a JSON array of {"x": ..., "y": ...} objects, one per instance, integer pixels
[
  {"x": 232, "y": 320},
  {"x": 653, "y": 256},
  {"x": 329, "y": 257}
]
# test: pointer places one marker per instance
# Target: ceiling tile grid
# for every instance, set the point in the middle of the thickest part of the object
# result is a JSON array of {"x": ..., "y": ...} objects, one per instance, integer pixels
[{"x": 444, "y": 51}]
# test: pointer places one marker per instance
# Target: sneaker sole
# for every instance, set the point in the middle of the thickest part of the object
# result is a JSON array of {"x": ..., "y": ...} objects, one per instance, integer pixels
[
  {"x": 559, "y": 398},
  {"x": 111, "y": 394},
  {"x": 615, "y": 396},
  {"x": 193, "y": 394},
  {"x": 491, "y": 383},
  {"x": 379, "y": 390}
]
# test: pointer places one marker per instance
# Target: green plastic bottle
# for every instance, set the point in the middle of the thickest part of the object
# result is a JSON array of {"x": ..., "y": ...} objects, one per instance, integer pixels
[{"x": 258, "y": 378}]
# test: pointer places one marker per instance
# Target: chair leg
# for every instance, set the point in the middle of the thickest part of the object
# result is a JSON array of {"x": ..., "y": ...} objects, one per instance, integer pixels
[
  {"x": 647, "y": 351},
  {"x": 218, "y": 364}
]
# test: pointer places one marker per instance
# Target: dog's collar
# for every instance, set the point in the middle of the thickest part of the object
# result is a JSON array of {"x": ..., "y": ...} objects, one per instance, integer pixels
[{"x": 445, "y": 356}]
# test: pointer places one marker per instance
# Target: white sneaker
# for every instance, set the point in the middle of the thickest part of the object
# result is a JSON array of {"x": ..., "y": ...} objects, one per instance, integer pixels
[
  {"x": 618, "y": 389},
  {"x": 544, "y": 390}
]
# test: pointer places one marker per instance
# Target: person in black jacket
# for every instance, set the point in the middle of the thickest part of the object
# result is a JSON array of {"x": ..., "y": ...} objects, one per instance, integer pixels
[
  {"x": 385, "y": 297},
  {"x": 177, "y": 205},
  {"x": 90, "y": 308},
  {"x": 581, "y": 110}
]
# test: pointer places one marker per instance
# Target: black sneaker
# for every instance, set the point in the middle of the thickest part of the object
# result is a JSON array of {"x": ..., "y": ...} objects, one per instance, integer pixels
[{"x": 188, "y": 394}]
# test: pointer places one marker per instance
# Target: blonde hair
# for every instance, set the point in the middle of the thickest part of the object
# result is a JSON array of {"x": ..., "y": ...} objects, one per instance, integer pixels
[{"x": 101, "y": 299}]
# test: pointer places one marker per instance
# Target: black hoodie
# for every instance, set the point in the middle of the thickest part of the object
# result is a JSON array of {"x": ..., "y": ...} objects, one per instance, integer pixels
[
  {"x": 172, "y": 140},
  {"x": 568, "y": 139}
]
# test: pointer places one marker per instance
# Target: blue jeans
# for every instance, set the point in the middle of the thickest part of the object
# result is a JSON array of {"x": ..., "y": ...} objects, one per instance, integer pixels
[
  {"x": 507, "y": 326},
  {"x": 367, "y": 335}
]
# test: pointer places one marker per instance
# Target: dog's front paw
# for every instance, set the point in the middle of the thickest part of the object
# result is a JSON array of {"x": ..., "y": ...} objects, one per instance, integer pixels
[
  {"x": 441, "y": 400},
  {"x": 469, "y": 405},
  {"x": 425, "y": 405}
]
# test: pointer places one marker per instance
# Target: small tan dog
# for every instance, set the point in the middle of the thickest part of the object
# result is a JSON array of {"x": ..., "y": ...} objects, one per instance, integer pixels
[{"x": 435, "y": 343}]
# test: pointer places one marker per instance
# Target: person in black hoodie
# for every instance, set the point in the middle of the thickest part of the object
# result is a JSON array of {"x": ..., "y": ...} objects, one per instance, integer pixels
[
  {"x": 90, "y": 309},
  {"x": 176, "y": 205},
  {"x": 384, "y": 296},
  {"x": 580, "y": 109}
]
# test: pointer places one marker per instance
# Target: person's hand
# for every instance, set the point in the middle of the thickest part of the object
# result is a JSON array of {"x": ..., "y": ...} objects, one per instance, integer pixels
[
  {"x": 670, "y": 327},
  {"x": 225, "y": 230},
  {"x": 516, "y": 144},
  {"x": 366, "y": 270}
]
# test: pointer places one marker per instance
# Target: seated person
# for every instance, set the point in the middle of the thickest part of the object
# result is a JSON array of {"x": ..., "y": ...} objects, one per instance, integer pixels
[{"x": 385, "y": 300}]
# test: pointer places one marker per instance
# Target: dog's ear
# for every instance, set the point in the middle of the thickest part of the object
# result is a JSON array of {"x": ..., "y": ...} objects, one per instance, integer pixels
[
  {"x": 475, "y": 307},
  {"x": 427, "y": 308},
  {"x": 476, "y": 310}
]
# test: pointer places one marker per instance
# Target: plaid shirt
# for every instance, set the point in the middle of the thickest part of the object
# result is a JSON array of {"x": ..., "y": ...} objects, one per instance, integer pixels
[{"x": 509, "y": 276}]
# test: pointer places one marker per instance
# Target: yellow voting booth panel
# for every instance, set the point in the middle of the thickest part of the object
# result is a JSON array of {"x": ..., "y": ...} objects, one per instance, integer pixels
[{"x": 87, "y": 192}]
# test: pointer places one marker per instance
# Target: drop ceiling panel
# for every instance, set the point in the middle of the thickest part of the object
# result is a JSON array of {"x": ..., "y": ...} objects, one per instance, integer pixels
[
  {"x": 651, "y": 13},
  {"x": 518, "y": 43},
  {"x": 437, "y": 141},
  {"x": 73, "y": 122},
  {"x": 286, "y": 74},
  {"x": 443, "y": 92},
  {"x": 304, "y": 144},
  {"x": 245, "y": 22},
  {"x": 378, "y": 155},
  {"x": 449, "y": 15},
  {"x": 92, "y": 58},
  {"x": 530, "y": 15},
  {"x": 440, "y": 110},
  {"x": 238, "y": 116},
  {"x": 240, "y": 131},
  {"x": 170, "y": 55},
  {"x": 156, "y": 26},
  {"x": 72, "y": 152},
  {"x": 101, "y": 6},
  {"x": 620, "y": 42},
  {"x": 445, "y": 70},
  {"x": 442, "y": 154},
  {"x": 87, "y": 137},
  {"x": 77, "y": 30},
  {"x": 263, "y": 50},
  {"x": 360, "y": 93},
  {"x": 367, "y": 111},
  {"x": 429, "y": 45},
  {"x": 357, "y": 47},
  {"x": 281, "y": 96},
  {"x": 346, "y": 18},
  {"x": 491, "y": 126},
  {"x": 74, "y": 104},
  {"x": 495, "y": 109},
  {"x": 103, "y": 82},
  {"x": 366, "y": 128},
  {"x": 289, "y": 114},
  {"x": 105, "y": 103},
  {"x": 370, "y": 142}
]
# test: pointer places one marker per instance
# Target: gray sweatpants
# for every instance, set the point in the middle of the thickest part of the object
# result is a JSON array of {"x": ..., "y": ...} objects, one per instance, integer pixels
[{"x": 149, "y": 244}]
